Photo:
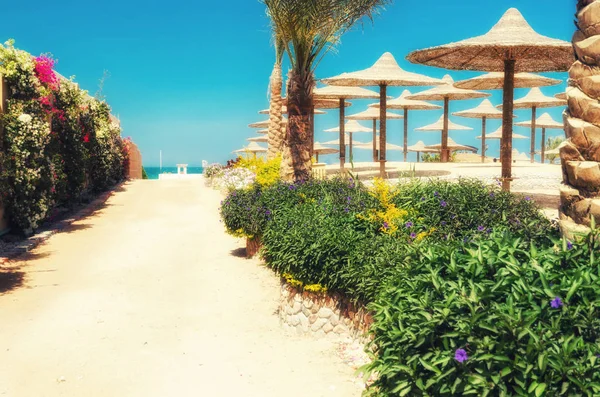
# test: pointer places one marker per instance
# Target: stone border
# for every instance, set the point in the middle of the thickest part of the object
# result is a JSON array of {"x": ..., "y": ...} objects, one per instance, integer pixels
[
  {"x": 26, "y": 245},
  {"x": 322, "y": 315}
]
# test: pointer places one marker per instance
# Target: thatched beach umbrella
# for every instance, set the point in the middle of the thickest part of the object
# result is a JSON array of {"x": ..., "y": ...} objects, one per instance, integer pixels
[
  {"x": 341, "y": 94},
  {"x": 336, "y": 142},
  {"x": 498, "y": 135},
  {"x": 484, "y": 111},
  {"x": 561, "y": 95},
  {"x": 510, "y": 46},
  {"x": 443, "y": 124},
  {"x": 402, "y": 103},
  {"x": 545, "y": 121},
  {"x": 385, "y": 72},
  {"x": 262, "y": 138},
  {"x": 453, "y": 146},
  {"x": 263, "y": 131},
  {"x": 284, "y": 111},
  {"x": 350, "y": 127},
  {"x": 252, "y": 147},
  {"x": 419, "y": 148},
  {"x": 377, "y": 143},
  {"x": 373, "y": 114},
  {"x": 495, "y": 81},
  {"x": 536, "y": 99},
  {"x": 318, "y": 149},
  {"x": 264, "y": 124},
  {"x": 447, "y": 93}
]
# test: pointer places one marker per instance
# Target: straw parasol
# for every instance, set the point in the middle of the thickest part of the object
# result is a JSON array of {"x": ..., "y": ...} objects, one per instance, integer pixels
[
  {"x": 545, "y": 121},
  {"x": 561, "y": 95},
  {"x": 498, "y": 135},
  {"x": 336, "y": 142},
  {"x": 341, "y": 94},
  {"x": 350, "y": 127},
  {"x": 484, "y": 111},
  {"x": 252, "y": 147},
  {"x": 264, "y": 124},
  {"x": 442, "y": 123},
  {"x": 385, "y": 72},
  {"x": 536, "y": 99},
  {"x": 373, "y": 114},
  {"x": 452, "y": 146},
  {"x": 419, "y": 148},
  {"x": 377, "y": 143},
  {"x": 264, "y": 131},
  {"x": 495, "y": 81},
  {"x": 318, "y": 149},
  {"x": 401, "y": 103},
  {"x": 446, "y": 93},
  {"x": 259, "y": 139},
  {"x": 510, "y": 46},
  {"x": 284, "y": 111}
]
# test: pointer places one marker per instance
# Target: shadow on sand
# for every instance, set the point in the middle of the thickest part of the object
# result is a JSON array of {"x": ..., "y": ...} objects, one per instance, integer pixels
[
  {"x": 239, "y": 252},
  {"x": 10, "y": 280}
]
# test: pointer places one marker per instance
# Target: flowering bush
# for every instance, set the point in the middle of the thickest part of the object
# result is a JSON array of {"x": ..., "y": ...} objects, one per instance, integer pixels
[
  {"x": 234, "y": 178},
  {"x": 50, "y": 141},
  {"x": 267, "y": 171},
  {"x": 211, "y": 170}
]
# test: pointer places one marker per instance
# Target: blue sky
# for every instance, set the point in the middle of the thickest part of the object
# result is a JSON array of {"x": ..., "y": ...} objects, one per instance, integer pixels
[{"x": 188, "y": 78}]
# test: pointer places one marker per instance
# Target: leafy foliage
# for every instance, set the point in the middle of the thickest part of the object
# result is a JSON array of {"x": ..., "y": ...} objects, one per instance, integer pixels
[{"x": 525, "y": 315}]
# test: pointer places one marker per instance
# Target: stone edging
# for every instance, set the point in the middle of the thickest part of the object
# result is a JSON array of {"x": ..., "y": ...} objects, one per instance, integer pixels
[
  {"x": 32, "y": 242},
  {"x": 322, "y": 315}
]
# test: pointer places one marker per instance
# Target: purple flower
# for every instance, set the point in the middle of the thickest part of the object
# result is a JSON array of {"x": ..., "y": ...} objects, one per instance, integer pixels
[
  {"x": 413, "y": 235},
  {"x": 443, "y": 223},
  {"x": 268, "y": 213},
  {"x": 422, "y": 198},
  {"x": 408, "y": 225},
  {"x": 385, "y": 225},
  {"x": 436, "y": 194},
  {"x": 492, "y": 195},
  {"x": 569, "y": 245},
  {"x": 292, "y": 187},
  {"x": 527, "y": 198},
  {"x": 461, "y": 355},
  {"x": 443, "y": 203},
  {"x": 480, "y": 228},
  {"x": 349, "y": 199},
  {"x": 346, "y": 209},
  {"x": 556, "y": 303}
]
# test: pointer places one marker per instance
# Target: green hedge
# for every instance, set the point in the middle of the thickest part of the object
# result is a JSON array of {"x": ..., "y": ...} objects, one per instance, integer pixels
[{"x": 472, "y": 289}]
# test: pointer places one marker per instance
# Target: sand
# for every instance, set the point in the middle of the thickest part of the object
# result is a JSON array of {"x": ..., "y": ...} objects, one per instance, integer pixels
[{"x": 149, "y": 297}]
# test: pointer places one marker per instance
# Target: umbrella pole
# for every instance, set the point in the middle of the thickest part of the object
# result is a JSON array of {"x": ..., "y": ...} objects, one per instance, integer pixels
[
  {"x": 317, "y": 155},
  {"x": 507, "y": 126},
  {"x": 533, "y": 111},
  {"x": 375, "y": 140},
  {"x": 445, "y": 156},
  {"x": 350, "y": 145},
  {"x": 342, "y": 134},
  {"x": 543, "y": 145},
  {"x": 382, "y": 128},
  {"x": 418, "y": 157},
  {"x": 405, "y": 134},
  {"x": 483, "y": 139}
]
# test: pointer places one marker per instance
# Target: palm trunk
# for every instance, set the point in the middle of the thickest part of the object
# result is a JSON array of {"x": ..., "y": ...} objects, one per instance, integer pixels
[
  {"x": 300, "y": 132},
  {"x": 580, "y": 155},
  {"x": 276, "y": 135}
]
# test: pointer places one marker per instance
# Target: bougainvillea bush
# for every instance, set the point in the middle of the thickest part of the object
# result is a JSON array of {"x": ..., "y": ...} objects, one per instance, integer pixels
[{"x": 58, "y": 142}]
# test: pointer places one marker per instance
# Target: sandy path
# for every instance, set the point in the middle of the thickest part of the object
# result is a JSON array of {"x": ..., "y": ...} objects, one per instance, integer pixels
[{"x": 145, "y": 298}]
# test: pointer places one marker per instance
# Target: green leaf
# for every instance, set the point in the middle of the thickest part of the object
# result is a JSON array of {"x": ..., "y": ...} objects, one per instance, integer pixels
[{"x": 539, "y": 390}]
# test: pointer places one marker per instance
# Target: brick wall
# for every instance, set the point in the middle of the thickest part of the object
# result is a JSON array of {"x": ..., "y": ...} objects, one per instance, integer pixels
[{"x": 135, "y": 162}]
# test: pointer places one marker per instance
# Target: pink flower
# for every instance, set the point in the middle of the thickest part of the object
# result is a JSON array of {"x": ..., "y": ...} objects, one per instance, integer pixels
[{"x": 45, "y": 73}]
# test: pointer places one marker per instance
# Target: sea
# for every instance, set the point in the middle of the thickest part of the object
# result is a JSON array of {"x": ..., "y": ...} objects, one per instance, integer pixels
[{"x": 153, "y": 172}]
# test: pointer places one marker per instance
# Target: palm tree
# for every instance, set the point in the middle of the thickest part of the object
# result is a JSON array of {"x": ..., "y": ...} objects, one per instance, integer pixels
[
  {"x": 276, "y": 131},
  {"x": 580, "y": 154},
  {"x": 308, "y": 30}
]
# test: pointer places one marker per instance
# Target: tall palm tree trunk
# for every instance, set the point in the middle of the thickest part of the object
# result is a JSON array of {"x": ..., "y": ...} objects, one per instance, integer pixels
[
  {"x": 580, "y": 154},
  {"x": 298, "y": 152},
  {"x": 276, "y": 137}
]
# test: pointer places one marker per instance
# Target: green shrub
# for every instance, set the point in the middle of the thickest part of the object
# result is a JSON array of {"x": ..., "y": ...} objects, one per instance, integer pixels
[
  {"x": 144, "y": 174},
  {"x": 526, "y": 317}
]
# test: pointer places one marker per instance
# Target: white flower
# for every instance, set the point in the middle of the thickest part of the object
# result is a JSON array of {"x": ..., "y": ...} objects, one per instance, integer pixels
[{"x": 25, "y": 118}]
